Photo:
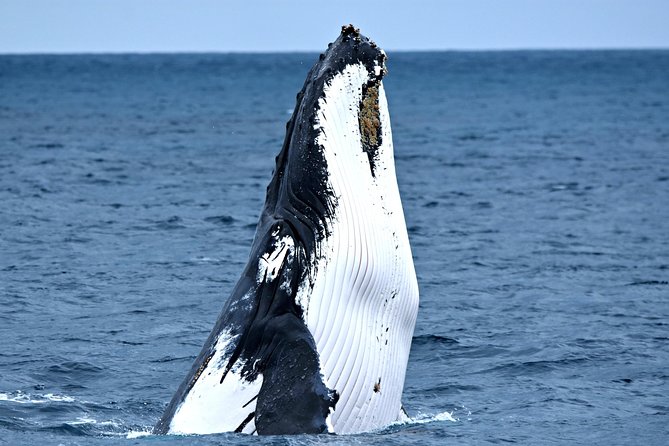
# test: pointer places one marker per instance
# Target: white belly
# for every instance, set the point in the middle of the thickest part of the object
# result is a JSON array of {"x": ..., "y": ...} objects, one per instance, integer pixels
[{"x": 364, "y": 301}]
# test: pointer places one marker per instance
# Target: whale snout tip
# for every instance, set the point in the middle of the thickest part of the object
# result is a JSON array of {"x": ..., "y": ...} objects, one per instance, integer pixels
[
  {"x": 352, "y": 47},
  {"x": 350, "y": 30}
]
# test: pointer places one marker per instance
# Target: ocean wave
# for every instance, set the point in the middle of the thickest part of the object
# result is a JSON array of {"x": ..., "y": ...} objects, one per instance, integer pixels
[
  {"x": 431, "y": 418},
  {"x": 87, "y": 420},
  {"x": 422, "y": 418},
  {"x": 26, "y": 398},
  {"x": 137, "y": 434}
]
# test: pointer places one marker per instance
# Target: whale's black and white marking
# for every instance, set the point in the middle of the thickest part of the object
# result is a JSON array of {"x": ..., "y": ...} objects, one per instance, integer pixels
[{"x": 316, "y": 335}]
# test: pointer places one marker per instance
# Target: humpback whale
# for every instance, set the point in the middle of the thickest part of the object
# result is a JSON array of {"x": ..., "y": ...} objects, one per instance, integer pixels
[{"x": 316, "y": 334}]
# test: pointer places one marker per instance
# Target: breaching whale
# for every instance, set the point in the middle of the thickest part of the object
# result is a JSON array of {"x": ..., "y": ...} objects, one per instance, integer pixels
[{"x": 316, "y": 335}]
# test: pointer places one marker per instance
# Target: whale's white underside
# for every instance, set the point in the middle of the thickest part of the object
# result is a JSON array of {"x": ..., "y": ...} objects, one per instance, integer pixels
[
  {"x": 362, "y": 309},
  {"x": 360, "y": 299}
]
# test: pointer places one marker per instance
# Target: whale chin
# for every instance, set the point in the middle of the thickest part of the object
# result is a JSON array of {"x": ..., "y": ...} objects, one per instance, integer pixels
[{"x": 316, "y": 335}]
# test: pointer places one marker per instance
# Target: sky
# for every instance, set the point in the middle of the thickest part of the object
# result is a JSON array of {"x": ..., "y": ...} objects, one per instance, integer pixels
[{"x": 101, "y": 26}]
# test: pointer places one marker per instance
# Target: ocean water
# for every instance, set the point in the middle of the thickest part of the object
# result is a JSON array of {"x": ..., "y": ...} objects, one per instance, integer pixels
[{"x": 536, "y": 193}]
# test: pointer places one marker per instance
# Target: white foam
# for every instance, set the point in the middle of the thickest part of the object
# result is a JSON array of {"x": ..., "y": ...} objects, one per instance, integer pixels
[
  {"x": 59, "y": 398},
  {"x": 88, "y": 420},
  {"x": 137, "y": 434},
  {"x": 26, "y": 398},
  {"x": 429, "y": 418}
]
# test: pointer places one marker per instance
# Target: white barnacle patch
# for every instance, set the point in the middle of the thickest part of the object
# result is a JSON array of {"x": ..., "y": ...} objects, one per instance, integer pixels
[
  {"x": 246, "y": 301},
  {"x": 270, "y": 263},
  {"x": 377, "y": 69},
  {"x": 201, "y": 411},
  {"x": 304, "y": 292}
]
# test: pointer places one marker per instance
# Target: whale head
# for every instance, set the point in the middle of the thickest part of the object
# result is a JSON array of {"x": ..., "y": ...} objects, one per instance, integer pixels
[{"x": 342, "y": 112}]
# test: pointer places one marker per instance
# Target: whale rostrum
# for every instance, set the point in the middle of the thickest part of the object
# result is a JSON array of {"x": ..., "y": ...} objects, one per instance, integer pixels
[{"x": 316, "y": 335}]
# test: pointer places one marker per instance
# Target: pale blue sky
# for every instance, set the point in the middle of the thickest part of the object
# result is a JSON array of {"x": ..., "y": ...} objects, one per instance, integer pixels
[{"x": 290, "y": 25}]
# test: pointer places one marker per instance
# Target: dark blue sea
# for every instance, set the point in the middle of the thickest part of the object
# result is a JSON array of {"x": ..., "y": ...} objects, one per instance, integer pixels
[{"x": 536, "y": 193}]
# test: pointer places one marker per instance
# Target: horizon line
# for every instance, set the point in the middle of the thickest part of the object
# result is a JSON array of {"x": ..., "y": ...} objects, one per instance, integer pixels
[{"x": 261, "y": 52}]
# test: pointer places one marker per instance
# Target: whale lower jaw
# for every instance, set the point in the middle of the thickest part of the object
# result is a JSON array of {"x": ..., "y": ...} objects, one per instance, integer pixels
[{"x": 362, "y": 307}]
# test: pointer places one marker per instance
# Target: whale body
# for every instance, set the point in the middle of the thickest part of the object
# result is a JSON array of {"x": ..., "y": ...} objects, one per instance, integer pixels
[{"x": 316, "y": 335}]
